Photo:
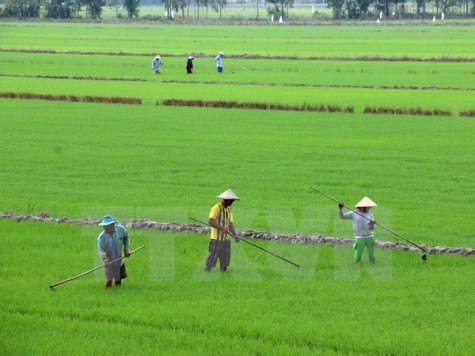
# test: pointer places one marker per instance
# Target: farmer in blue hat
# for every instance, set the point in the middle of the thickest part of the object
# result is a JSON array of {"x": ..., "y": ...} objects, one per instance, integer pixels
[{"x": 110, "y": 244}]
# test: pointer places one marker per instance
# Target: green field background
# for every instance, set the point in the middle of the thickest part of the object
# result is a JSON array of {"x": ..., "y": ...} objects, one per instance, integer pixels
[
  {"x": 319, "y": 41},
  {"x": 167, "y": 164},
  {"x": 262, "y": 306},
  {"x": 172, "y": 160}
]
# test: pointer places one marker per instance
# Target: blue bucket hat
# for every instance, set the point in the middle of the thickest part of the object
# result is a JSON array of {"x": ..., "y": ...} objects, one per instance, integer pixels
[{"x": 106, "y": 220}]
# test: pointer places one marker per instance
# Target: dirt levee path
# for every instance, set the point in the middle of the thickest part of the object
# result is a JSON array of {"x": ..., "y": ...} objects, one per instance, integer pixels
[{"x": 257, "y": 235}]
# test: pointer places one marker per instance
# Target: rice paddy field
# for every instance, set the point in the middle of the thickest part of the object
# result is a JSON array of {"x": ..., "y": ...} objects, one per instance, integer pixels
[{"x": 70, "y": 151}]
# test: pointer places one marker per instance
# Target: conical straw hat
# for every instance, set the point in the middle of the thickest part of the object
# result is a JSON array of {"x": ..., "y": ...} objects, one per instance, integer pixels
[
  {"x": 366, "y": 203},
  {"x": 228, "y": 195}
]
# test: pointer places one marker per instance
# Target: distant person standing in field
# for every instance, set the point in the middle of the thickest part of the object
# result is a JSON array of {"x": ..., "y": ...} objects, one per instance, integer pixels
[
  {"x": 222, "y": 226},
  {"x": 363, "y": 226},
  {"x": 219, "y": 62},
  {"x": 156, "y": 63},
  {"x": 189, "y": 65},
  {"x": 110, "y": 244}
]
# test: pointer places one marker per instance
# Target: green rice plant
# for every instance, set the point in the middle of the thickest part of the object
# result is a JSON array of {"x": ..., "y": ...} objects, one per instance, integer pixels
[
  {"x": 152, "y": 92},
  {"x": 324, "y": 73},
  {"x": 166, "y": 164},
  {"x": 354, "y": 83},
  {"x": 57, "y": 158},
  {"x": 169, "y": 304},
  {"x": 324, "y": 41}
]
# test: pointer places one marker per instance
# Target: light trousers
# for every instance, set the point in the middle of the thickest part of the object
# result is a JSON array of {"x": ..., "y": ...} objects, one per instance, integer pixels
[{"x": 359, "y": 246}]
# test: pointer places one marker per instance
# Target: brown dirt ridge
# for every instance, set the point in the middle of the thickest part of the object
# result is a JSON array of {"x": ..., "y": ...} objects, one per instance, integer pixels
[
  {"x": 72, "y": 98},
  {"x": 250, "y": 234},
  {"x": 255, "y": 56}
]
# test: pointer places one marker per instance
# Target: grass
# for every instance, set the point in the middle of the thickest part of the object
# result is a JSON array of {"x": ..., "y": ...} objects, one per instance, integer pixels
[
  {"x": 260, "y": 307},
  {"x": 162, "y": 148},
  {"x": 168, "y": 164},
  {"x": 347, "y": 41},
  {"x": 245, "y": 71}
]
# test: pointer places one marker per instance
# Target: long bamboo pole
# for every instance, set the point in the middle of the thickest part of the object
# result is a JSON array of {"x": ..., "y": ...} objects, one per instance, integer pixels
[
  {"x": 92, "y": 270},
  {"x": 382, "y": 226},
  {"x": 250, "y": 243}
]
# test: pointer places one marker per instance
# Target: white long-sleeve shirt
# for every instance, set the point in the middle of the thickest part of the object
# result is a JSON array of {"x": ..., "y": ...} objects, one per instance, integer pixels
[
  {"x": 362, "y": 227},
  {"x": 219, "y": 61}
]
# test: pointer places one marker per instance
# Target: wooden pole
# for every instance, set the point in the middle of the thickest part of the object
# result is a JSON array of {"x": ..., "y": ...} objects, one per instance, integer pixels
[
  {"x": 382, "y": 226},
  {"x": 94, "y": 269},
  {"x": 250, "y": 243}
]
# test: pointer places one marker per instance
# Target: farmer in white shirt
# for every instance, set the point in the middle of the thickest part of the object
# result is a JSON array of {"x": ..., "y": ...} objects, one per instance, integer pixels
[
  {"x": 219, "y": 62},
  {"x": 156, "y": 63},
  {"x": 363, "y": 226}
]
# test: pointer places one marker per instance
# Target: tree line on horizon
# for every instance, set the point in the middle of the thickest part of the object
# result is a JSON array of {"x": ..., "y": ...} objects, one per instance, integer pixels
[{"x": 341, "y": 9}]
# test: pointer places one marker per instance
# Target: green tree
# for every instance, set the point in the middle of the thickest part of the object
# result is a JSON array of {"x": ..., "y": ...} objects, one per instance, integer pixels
[
  {"x": 336, "y": 6},
  {"x": 257, "y": 9},
  {"x": 205, "y": 4},
  {"x": 59, "y": 9},
  {"x": 22, "y": 8},
  {"x": 76, "y": 7},
  {"x": 172, "y": 6},
  {"x": 168, "y": 8},
  {"x": 132, "y": 8},
  {"x": 180, "y": 5},
  {"x": 218, "y": 5},
  {"x": 352, "y": 9},
  {"x": 94, "y": 8},
  {"x": 356, "y": 9},
  {"x": 420, "y": 8},
  {"x": 279, "y": 7}
]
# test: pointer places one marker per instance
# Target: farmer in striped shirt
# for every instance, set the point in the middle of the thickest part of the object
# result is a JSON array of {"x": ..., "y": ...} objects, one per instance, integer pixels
[{"x": 222, "y": 225}]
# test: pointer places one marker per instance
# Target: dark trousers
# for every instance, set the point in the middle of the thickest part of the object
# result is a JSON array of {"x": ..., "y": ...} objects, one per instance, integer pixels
[{"x": 219, "y": 250}]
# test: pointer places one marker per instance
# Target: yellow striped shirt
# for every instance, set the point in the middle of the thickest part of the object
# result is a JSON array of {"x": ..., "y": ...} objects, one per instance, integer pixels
[{"x": 224, "y": 217}]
